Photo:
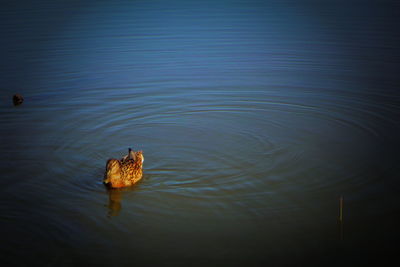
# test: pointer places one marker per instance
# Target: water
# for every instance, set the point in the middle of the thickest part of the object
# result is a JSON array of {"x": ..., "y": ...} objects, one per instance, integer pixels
[{"x": 254, "y": 118}]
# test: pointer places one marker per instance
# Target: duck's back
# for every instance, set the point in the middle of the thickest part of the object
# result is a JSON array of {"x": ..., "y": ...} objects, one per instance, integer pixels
[{"x": 131, "y": 171}]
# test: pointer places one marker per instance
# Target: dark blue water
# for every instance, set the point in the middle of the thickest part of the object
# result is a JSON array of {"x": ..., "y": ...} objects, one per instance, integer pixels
[{"x": 254, "y": 118}]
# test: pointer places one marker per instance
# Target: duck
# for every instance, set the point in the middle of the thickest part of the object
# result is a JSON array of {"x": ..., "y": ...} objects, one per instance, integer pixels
[{"x": 124, "y": 172}]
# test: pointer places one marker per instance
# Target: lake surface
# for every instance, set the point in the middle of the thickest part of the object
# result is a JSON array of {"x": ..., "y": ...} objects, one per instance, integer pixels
[{"x": 254, "y": 118}]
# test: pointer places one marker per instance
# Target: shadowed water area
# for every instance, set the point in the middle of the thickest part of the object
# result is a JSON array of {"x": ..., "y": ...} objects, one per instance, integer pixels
[{"x": 254, "y": 118}]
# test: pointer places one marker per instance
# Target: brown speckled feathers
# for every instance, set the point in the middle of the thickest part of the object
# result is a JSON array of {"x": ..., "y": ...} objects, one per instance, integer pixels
[{"x": 124, "y": 172}]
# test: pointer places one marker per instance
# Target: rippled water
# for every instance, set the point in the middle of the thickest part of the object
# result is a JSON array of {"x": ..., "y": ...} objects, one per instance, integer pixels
[{"x": 254, "y": 118}]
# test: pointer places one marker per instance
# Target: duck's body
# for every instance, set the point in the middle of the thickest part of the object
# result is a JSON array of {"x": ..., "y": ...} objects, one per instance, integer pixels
[{"x": 124, "y": 172}]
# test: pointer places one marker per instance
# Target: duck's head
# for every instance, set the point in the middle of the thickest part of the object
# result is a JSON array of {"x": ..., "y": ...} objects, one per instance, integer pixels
[{"x": 113, "y": 172}]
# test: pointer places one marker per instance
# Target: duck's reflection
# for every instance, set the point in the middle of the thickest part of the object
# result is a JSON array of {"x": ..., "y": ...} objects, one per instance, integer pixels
[
  {"x": 114, "y": 201},
  {"x": 115, "y": 196}
]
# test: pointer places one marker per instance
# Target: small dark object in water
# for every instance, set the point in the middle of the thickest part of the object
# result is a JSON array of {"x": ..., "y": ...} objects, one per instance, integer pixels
[{"x": 18, "y": 99}]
